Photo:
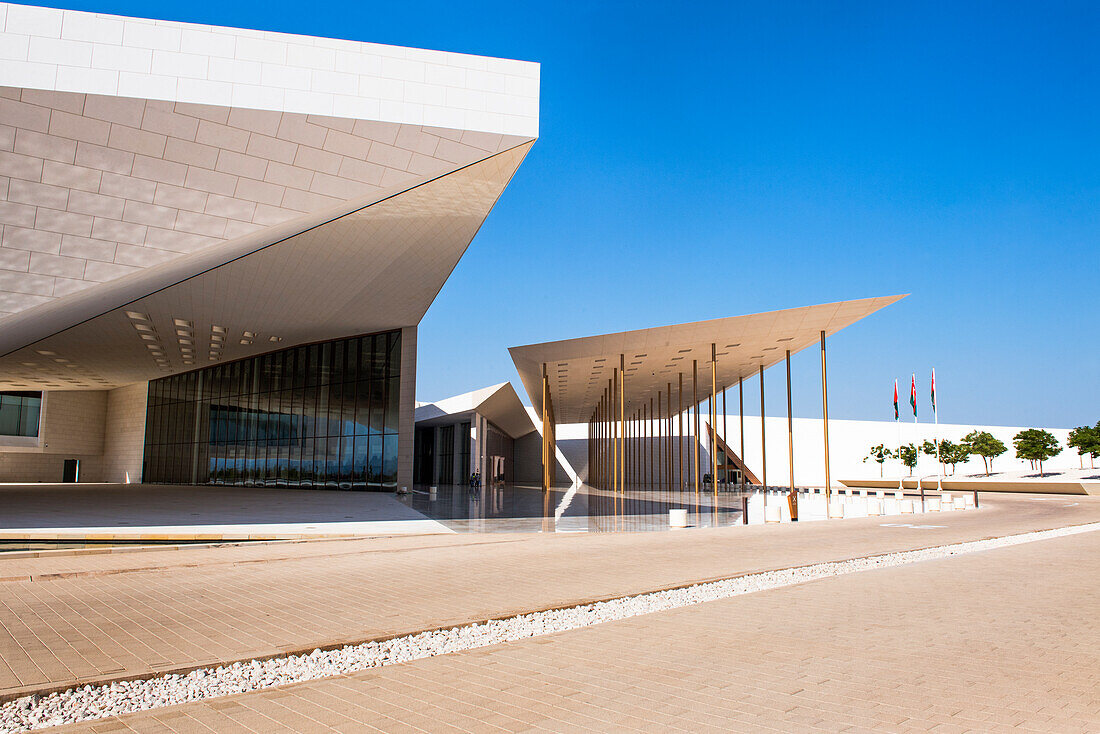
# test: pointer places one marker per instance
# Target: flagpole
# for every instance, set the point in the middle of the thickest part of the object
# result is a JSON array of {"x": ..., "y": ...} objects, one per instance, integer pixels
[
  {"x": 916, "y": 430},
  {"x": 897, "y": 423},
  {"x": 936, "y": 418}
]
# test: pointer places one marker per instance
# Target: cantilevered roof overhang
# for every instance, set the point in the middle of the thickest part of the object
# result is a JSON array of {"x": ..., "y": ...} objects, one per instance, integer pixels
[
  {"x": 369, "y": 264},
  {"x": 579, "y": 369},
  {"x": 498, "y": 404}
]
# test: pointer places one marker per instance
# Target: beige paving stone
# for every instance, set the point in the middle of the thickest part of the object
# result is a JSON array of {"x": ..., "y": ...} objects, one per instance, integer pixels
[{"x": 104, "y": 616}]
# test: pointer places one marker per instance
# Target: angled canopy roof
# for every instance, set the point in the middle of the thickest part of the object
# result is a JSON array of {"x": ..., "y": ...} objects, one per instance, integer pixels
[
  {"x": 370, "y": 264},
  {"x": 499, "y": 404},
  {"x": 579, "y": 369}
]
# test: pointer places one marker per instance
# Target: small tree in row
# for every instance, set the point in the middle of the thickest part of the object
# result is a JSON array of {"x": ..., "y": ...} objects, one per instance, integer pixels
[
  {"x": 1086, "y": 439},
  {"x": 908, "y": 455},
  {"x": 949, "y": 452},
  {"x": 985, "y": 445},
  {"x": 1036, "y": 445},
  {"x": 879, "y": 454}
]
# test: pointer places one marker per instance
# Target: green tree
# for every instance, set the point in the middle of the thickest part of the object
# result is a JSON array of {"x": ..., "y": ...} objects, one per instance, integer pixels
[
  {"x": 908, "y": 455},
  {"x": 985, "y": 445},
  {"x": 949, "y": 453},
  {"x": 879, "y": 454},
  {"x": 1035, "y": 444},
  {"x": 954, "y": 453},
  {"x": 1086, "y": 439}
]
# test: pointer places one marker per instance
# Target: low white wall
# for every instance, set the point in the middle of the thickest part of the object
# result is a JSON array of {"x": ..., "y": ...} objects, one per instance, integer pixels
[{"x": 849, "y": 443}]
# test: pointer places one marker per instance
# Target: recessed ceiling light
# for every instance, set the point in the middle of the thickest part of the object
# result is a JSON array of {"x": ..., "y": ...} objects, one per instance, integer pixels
[
  {"x": 138, "y": 315},
  {"x": 218, "y": 329},
  {"x": 274, "y": 338},
  {"x": 184, "y": 323}
]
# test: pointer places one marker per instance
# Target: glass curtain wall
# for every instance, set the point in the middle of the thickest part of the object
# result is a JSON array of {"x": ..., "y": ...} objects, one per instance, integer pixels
[{"x": 320, "y": 415}]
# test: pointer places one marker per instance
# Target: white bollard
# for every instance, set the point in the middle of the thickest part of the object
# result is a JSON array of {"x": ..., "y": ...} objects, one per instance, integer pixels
[
  {"x": 432, "y": 492},
  {"x": 677, "y": 518},
  {"x": 906, "y": 507},
  {"x": 772, "y": 513}
]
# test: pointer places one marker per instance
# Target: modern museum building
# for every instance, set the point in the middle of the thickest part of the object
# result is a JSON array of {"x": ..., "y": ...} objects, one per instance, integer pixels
[{"x": 216, "y": 244}]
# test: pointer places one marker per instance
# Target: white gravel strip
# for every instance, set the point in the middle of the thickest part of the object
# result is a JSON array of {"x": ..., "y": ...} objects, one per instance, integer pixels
[{"x": 94, "y": 702}]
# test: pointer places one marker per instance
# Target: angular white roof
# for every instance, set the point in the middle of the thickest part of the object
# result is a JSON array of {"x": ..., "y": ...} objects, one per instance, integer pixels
[{"x": 499, "y": 404}]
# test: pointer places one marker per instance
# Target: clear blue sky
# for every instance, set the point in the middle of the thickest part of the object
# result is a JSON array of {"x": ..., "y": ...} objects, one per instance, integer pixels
[{"x": 698, "y": 161}]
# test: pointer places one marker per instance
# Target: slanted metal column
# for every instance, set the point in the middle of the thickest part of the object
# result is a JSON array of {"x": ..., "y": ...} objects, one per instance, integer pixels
[{"x": 725, "y": 440}]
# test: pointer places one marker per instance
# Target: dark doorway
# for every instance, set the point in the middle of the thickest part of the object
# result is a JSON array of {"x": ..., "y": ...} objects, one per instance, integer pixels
[{"x": 71, "y": 471}]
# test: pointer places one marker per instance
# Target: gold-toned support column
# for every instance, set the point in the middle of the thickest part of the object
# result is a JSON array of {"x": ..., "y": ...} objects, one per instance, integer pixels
[
  {"x": 741, "y": 413},
  {"x": 652, "y": 467},
  {"x": 614, "y": 429},
  {"x": 545, "y": 429},
  {"x": 668, "y": 437},
  {"x": 622, "y": 418},
  {"x": 825, "y": 416},
  {"x": 763, "y": 442},
  {"x": 695, "y": 425},
  {"x": 790, "y": 424},
  {"x": 714, "y": 422},
  {"x": 680, "y": 434},
  {"x": 792, "y": 497},
  {"x": 661, "y": 458}
]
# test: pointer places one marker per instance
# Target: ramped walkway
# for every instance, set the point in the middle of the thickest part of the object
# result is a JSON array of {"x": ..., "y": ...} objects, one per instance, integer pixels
[
  {"x": 996, "y": 641},
  {"x": 138, "y": 614}
]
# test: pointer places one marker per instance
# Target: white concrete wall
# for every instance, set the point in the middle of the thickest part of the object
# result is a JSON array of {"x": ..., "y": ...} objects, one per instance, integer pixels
[
  {"x": 849, "y": 443},
  {"x": 73, "y": 51}
]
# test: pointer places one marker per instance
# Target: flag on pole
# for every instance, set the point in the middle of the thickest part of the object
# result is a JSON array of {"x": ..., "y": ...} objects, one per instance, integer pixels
[
  {"x": 913, "y": 395},
  {"x": 895, "y": 399},
  {"x": 933, "y": 389}
]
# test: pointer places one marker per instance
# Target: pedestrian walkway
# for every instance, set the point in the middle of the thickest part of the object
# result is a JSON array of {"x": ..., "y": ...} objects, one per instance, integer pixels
[
  {"x": 117, "y": 618},
  {"x": 993, "y": 641}
]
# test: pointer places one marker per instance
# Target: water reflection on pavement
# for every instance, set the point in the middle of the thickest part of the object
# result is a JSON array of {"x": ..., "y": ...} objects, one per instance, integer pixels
[{"x": 580, "y": 508}]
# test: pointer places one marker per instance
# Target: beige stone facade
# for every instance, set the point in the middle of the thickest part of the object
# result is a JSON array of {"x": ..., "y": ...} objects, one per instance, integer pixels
[{"x": 103, "y": 429}]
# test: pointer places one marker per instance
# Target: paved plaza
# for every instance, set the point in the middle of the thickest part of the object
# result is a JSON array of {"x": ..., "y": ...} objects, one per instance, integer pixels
[
  {"x": 990, "y": 641},
  {"x": 67, "y": 620}
]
